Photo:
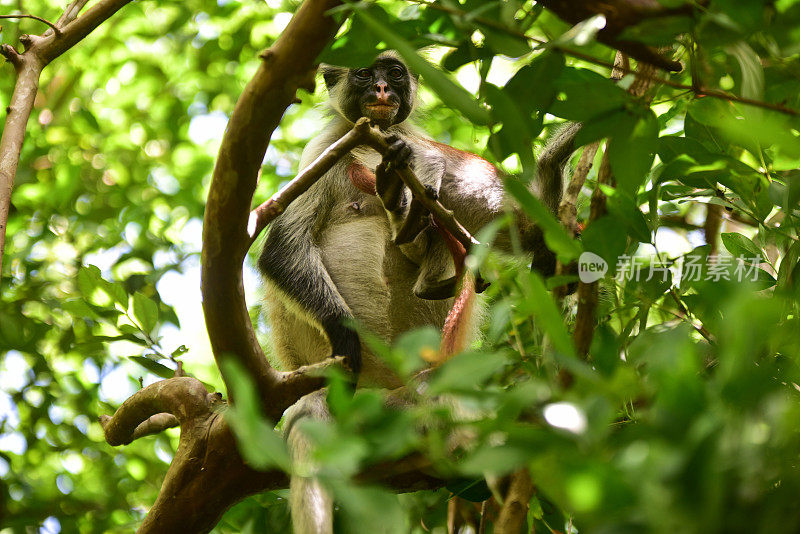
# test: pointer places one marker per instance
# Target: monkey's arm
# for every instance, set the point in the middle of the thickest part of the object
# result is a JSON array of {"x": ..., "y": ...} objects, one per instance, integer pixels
[
  {"x": 407, "y": 217},
  {"x": 292, "y": 261}
]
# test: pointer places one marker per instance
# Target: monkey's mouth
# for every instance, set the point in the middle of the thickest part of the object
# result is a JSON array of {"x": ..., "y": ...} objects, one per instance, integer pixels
[{"x": 381, "y": 110}]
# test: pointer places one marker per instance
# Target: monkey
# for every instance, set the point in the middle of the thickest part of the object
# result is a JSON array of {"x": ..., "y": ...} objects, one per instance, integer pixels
[
  {"x": 330, "y": 257},
  {"x": 355, "y": 247}
]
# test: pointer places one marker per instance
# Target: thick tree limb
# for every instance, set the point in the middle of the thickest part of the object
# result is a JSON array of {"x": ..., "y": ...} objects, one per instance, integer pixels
[
  {"x": 207, "y": 475},
  {"x": 184, "y": 398},
  {"x": 286, "y": 66},
  {"x": 39, "y": 51}
]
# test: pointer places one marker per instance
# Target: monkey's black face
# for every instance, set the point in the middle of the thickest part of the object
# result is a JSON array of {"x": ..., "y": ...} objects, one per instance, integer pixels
[{"x": 382, "y": 92}]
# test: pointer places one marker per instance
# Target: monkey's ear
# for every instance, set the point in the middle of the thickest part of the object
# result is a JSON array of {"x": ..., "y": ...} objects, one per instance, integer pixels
[{"x": 332, "y": 74}]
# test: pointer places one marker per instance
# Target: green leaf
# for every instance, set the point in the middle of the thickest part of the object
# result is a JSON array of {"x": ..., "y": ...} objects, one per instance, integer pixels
[
  {"x": 557, "y": 239},
  {"x": 260, "y": 445},
  {"x": 625, "y": 209},
  {"x": 606, "y": 238},
  {"x": 518, "y": 130},
  {"x": 539, "y": 302},
  {"x": 533, "y": 86},
  {"x": 145, "y": 311},
  {"x": 584, "y": 94},
  {"x": 471, "y": 489},
  {"x": 89, "y": 280},
  {"x": 154, "y": 367},
  {"x": 631, "y": 152},
  {"x": 505, "y": 43},
  {"x": 117, "y": 293},
  {"x": 739, "y": 245},
  {"x": 465, "y": 371}
]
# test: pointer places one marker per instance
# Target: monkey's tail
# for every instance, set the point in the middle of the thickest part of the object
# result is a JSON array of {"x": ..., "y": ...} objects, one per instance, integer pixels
[
  {"x": 457, "y": 325},
  {"x": 551, "y": 163},
  {"x": 311, "y": 504}
]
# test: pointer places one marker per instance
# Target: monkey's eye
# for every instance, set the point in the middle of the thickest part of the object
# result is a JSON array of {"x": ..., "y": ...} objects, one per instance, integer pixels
[
  {"x": 396, "y": 72},
  {"x": 363, "y": 74}
]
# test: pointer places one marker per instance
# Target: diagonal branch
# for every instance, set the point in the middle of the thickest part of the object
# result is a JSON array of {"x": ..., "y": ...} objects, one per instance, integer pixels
[
  {"x": 362, "y": 133},
  {"x": 71, "y": 12}
]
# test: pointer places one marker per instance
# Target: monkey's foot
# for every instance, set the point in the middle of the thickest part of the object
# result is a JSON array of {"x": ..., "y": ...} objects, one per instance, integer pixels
[
  {"x": 438, "y": 290},
  {"x": 444, "y": 289}
]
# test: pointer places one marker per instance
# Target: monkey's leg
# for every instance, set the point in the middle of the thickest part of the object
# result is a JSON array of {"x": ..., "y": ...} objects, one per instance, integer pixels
[
  {"x": 292, "y": 261},
  {"x": 311, "y": 504}
]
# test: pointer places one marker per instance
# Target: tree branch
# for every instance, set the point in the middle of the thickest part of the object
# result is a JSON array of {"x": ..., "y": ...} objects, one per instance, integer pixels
[
  {"x": 363, "y": 132},
  {"x": 620, "y": 14},
  {"x": 514, "y": 513},
  {"x": 286, "y": 66},
  {"x": 183, "y": 398},
  {"x": 71, "y": 12},
  {"x": 588, "y": 292},
  {"x": 695, "y": 89},
  {"x": 34, "y": 17},
  {"x": 207, "y": 475}
]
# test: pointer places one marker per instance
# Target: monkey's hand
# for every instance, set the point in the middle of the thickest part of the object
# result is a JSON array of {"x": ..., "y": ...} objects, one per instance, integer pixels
[{"x": 389, "y": 186}]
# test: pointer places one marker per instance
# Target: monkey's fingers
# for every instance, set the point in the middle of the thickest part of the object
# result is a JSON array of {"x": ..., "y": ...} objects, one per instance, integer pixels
[
  {"x": 445, "y": 289},
  {"x": 480, "y": 284},
  {"x": 398, "y": 154}
]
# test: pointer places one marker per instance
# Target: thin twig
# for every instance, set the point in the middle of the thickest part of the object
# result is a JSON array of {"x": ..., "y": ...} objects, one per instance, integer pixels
[
  {"x": 34, "y": 17},
  {"x": 71, "y": 12},
  {"x": 697, "y": 325},
  {"x": 588, "y": 293},
  {"x": 567, "y": 210}
]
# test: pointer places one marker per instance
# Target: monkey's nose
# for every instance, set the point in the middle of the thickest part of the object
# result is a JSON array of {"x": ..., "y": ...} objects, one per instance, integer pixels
[{"x": 380, "y": 90}]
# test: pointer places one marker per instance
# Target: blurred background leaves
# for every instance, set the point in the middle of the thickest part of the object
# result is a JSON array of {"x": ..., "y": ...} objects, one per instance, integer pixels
[{"x": 684, "y": 419}]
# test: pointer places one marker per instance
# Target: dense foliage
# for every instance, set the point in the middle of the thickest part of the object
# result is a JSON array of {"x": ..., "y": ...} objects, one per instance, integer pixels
[{"x": 682, "y": 419}]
